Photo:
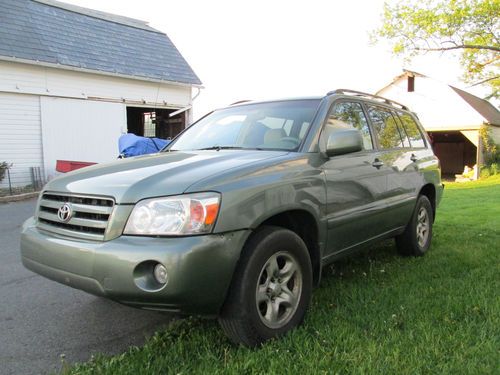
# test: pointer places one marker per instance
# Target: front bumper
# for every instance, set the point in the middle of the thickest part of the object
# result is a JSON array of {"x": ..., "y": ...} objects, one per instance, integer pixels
[{"x": 200, "y": 268}]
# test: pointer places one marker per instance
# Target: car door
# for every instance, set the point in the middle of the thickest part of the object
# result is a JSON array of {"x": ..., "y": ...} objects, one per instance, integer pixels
[
  {"x": 355, "y": 184},
  {"x": 397, "y": 165}
]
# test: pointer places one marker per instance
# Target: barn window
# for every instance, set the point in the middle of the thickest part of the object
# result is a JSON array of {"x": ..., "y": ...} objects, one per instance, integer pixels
[{"x": 411, "y": 83}]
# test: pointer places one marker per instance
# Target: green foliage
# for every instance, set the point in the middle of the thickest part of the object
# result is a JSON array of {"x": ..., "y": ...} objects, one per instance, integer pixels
[
  {"x": 485, "y": 172},
  {"x": 375, "y": 313},
  {"x": 491, "y": 149},
  {"x": 491, "y": 152},
  {"x": 470, "y": 27},
  {"x": 490, "y": 170},
  {"x": 495, "y": 168},
  {"x": 3, "y": 168}
]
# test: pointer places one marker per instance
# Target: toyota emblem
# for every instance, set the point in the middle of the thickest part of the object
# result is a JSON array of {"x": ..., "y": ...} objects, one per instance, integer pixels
[{"x": 65, "y": 213}]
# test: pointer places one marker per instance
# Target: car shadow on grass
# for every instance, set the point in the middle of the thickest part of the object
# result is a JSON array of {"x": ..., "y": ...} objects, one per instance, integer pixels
[{"x": 362, "y": 263}]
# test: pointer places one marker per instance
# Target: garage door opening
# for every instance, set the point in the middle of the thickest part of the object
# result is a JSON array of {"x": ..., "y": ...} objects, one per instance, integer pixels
[
  {"x": 154, "y": 122},
  {"x": 455, "y": 151}
]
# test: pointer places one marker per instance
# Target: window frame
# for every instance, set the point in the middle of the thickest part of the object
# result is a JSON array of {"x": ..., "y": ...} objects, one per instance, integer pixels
[
  {"x": 398, "y": 123},
  {"x": 401, "y": 129},
  {"x": 398, "y": 114},
  {"x": 368, "y": 123}
]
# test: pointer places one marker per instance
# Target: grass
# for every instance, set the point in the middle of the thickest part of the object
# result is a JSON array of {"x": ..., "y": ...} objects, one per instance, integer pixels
[{"x": 376, "y": 313}]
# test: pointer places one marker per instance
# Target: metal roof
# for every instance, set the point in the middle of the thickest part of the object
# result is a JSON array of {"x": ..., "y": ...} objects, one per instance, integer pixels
[
  {"x": 484, "y": 107},
  {"x": 64, "y": 35}
]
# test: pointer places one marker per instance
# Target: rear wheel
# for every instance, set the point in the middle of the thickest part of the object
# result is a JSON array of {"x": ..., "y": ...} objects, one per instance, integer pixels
[
  {"x": 271, "y": 288},
  {"x": 416, "y": 239}
]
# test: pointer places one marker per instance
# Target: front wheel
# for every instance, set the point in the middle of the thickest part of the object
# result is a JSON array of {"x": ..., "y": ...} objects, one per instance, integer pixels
[
  {"x": 271, "y": 288},
  {"x": 416, "y": 239}
]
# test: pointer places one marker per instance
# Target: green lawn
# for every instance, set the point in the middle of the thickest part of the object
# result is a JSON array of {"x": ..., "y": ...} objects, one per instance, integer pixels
[{"x": 376, "y": 313}]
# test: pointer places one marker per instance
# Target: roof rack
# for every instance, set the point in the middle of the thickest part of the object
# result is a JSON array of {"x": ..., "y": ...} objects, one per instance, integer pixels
[
  {"x": 240, "y": 101},
  {"x": 366, "y": 95}
]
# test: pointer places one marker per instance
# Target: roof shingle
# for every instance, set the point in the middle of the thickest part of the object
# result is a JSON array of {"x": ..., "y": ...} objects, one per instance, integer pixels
[{"x": 37, "y": 31}]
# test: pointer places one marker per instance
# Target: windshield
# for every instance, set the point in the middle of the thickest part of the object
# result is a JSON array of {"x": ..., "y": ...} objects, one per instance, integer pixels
[{"x": 262, "y": 126}]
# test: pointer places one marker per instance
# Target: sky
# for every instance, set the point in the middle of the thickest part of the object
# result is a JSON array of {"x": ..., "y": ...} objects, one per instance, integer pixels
[{"x": 261, "y": 50}]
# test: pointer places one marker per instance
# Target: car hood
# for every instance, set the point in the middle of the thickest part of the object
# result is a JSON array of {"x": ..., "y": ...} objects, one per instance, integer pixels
[{"x": 168, "y": 173}]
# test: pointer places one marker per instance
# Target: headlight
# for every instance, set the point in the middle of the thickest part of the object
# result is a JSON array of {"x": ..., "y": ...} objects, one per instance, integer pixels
[{"x": 174, "y": 216}]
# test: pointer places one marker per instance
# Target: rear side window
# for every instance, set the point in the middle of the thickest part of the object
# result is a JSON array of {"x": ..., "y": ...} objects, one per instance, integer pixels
[
  {"x": 412, "y": 130},
  {"x": 389, "y": 133},
  {"x": 350, "y": 114}
]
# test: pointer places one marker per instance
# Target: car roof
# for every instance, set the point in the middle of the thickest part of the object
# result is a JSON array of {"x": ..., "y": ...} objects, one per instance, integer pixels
[
  {"x": 375, "y": 99},
  {"x": 247, "y": 102}
]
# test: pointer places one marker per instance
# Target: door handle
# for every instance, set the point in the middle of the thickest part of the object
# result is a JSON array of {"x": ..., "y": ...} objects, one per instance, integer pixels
[
  {"x": 413, "y": 158},
  {"x": 377, "y": 163}
]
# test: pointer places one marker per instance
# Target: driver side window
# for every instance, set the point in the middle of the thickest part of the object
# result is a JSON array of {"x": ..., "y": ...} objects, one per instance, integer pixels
[{"x": 350, "y": 115}]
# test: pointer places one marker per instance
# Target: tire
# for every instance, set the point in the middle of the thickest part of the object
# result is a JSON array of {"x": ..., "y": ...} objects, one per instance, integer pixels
[
  {"x": 416, "y": 239},
  {"x": 265, "y": 299}
]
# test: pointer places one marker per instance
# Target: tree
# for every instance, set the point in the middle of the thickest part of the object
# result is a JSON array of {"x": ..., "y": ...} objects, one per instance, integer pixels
[{"x": 469, "y": 27}]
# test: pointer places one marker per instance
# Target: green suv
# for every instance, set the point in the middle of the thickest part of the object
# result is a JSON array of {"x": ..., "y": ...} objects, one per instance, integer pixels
[{"x": 236, "y": 217}]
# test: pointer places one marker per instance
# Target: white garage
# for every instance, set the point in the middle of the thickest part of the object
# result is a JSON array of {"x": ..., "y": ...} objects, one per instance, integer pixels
[
  {"x": 72, "y": 80},
  {"x": 20, "y": 135}
]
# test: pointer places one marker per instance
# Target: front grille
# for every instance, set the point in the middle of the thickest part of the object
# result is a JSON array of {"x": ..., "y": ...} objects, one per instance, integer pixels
[{"x": 89, "y": 218}]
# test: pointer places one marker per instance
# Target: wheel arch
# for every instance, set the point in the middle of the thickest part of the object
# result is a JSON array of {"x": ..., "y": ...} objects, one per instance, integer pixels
[
  {"x": 429, "y": 191},
  {"x": 304, "y": 224}
]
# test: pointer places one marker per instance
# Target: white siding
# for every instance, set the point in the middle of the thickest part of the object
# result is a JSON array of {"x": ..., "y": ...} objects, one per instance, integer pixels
[
  {"x": 33, "y": 79},
  {"x": 436, "y": 104},
  {"x": 20, "y": 136},
  {"x": 80, "y": 130},
  {"x": 49, "y": 114}
]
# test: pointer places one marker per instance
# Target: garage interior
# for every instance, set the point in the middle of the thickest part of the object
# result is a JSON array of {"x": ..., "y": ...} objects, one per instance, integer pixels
[
  {"x": 155, "y": 122},
  {"x": 454, "y": 150}
]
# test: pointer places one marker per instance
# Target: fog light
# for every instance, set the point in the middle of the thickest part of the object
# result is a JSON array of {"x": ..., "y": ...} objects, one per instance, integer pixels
[{"x": 160, "y": 273}]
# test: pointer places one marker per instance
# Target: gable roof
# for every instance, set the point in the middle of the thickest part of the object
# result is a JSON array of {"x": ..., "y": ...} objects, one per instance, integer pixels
[
  {"x": 483, "y": 107},
  {"x": 64, "y": 35},
  {"x": 406, "y": 73}
]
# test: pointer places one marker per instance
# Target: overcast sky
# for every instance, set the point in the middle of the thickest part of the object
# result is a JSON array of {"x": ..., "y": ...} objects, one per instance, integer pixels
[{"x": 276, "y": 48}]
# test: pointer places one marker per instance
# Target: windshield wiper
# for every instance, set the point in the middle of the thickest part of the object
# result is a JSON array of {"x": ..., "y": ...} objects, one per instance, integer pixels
[{"x": 218, "y": 148}]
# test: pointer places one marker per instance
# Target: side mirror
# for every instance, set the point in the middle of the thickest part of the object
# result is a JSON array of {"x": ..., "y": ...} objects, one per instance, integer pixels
[{"x": 343, "y": 141}]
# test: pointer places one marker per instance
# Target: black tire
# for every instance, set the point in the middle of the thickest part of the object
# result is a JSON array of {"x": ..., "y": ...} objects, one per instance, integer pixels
[
  {"x": 417, "y": 237},
  {"x": 284, "y": 297}
]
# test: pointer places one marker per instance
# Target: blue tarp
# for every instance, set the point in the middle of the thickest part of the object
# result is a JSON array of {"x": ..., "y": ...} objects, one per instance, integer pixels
[{"x": 133, "y": 145}]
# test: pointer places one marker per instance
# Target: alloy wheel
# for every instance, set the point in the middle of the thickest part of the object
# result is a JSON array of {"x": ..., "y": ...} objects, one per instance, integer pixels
[{"x": 279, "y": 288}]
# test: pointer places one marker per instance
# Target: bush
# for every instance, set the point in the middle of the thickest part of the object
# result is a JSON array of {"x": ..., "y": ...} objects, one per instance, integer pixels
[
  {"x": 490, "y": 170},
  {"x": 491, "y": 153},
  {"x": 485, "y": 172},
  {"x": 3, "y": 168},
  {"x": 494, "y": 168},
  {"x": 491, "y": 149}
]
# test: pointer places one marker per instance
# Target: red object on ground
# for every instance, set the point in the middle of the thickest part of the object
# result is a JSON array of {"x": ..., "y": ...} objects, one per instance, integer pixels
[{"x": 69, "y": 165}]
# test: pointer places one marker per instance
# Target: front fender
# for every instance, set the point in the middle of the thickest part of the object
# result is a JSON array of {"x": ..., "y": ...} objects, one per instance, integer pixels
[{"x": 251, "y": 198}]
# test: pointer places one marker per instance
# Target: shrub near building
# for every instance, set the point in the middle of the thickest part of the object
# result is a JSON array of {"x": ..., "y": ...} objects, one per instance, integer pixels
[{"x": 491, "y": 165}]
